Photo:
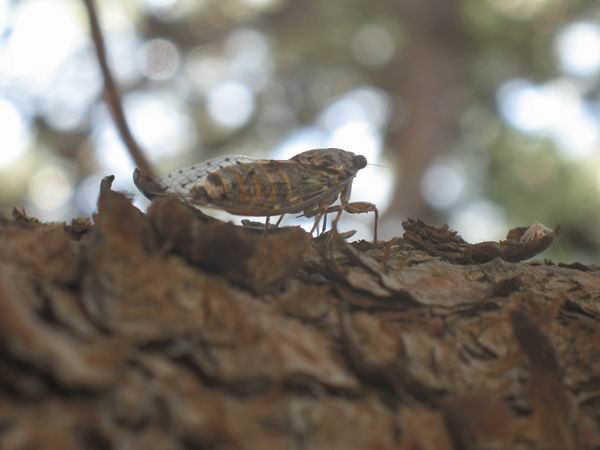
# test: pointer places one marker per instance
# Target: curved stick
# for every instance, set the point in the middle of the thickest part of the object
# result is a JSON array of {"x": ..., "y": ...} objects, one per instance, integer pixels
[{"x": 112, "y": 94}]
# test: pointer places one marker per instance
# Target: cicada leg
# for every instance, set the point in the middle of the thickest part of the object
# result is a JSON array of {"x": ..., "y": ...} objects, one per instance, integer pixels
[
  {"x": 324, "y": 223},
  {"x": 365, "y": 207},
  {"x": 267, "y": 222},
  {"x": 334, "y": 222},
  {"x": 316, "y": 224},
  {"x": 355, "y": 208},
  {"x": 266, "y": 225},
  {"x": 279, "y": 221}
]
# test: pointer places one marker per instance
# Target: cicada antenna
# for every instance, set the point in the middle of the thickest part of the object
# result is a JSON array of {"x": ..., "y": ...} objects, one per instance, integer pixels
[{"x": 378, "y": 165}]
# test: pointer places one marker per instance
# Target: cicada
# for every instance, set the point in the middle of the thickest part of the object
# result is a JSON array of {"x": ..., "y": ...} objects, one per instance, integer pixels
[{"x": 308, "y": 183}]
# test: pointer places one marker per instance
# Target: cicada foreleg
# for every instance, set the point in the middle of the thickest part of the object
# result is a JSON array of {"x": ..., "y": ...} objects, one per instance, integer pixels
[{"x": 354, "y": 208}]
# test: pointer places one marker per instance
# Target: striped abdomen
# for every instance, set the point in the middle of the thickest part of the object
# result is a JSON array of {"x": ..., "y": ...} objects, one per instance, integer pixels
[{"x": 255, "y": 189}]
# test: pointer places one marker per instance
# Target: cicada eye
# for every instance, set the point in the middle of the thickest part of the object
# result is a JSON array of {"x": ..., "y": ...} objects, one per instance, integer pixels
[{"x": 359, "y": 162}]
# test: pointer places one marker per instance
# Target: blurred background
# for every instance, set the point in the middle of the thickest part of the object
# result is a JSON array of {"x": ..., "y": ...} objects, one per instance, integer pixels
[{"x": 485, "y": 113}]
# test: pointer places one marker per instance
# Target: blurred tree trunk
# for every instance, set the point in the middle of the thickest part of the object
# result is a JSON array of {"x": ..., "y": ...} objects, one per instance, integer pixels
[{"x": 425, "y": 80}]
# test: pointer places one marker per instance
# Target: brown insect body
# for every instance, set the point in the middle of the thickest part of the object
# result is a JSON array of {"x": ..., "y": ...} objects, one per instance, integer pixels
[
  {"x": 305, "y": 183},
  {"x": 308, "y": 183}
]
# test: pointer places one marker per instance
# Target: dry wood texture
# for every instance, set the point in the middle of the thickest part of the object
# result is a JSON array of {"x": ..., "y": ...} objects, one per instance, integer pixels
[{"x": 170, "y": 330}]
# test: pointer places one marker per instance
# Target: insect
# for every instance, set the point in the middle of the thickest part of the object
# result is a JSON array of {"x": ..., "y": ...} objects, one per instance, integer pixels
[{"x": 308, "y": 183}]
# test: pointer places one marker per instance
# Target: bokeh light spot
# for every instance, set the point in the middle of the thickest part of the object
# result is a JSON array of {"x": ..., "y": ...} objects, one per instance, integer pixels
[
  {"x": 50, "y": 188},
  {"x": 578, "y": 49},
  {"x": 44, "y": 35},
  {"x": 159, "y": 8},
  {"x": 159, "y": 59},
  {"x": 555, "y": 110},
  {"x": 160, "y": 123},
  {"x": 5, "y": 6},
  {"x": 358, "y": 137},
  {"x": 248, "y": 54},
  {"x": 372, "y": 45},
  {"x": 300, "y": 140},
  {"x": 123, "y": 46},
  {"x": 364, "y": 103},
  {"x": 525, "y": 106},
  {"x": 15, "y": 135},
  {"x": 86, "y": 194},
  {"x": 442, "y": 185},
  {"x": 519, "y": 9},
  {"x": 230, "y": 104},
  {"x": 260, "y": 4},
  {"x": 109, "y": 150},
  {"x": 63, "y": 110},
  {"x": 204, "y": 68},
  {"x": 480, "y": 220}
]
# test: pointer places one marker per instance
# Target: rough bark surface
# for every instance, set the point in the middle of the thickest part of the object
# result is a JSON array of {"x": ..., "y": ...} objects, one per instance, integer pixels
[{"x": 170, "y": 330}]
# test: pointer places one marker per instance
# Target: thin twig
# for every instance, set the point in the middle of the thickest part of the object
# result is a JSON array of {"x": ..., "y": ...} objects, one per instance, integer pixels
[{"x": 111, "y": 93}]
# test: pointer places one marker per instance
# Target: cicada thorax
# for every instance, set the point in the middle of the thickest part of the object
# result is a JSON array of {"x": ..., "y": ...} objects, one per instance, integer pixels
[{"x": 342, "y": 163}]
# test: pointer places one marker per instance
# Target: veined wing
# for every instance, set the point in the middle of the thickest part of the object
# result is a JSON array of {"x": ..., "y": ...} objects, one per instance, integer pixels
[
  {"x": 182, "y": 180},
  {"x": 267, "y": 187}
]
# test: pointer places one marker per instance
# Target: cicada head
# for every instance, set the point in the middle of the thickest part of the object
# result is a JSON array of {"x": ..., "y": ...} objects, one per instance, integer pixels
[{"x": 340, "y": 162}]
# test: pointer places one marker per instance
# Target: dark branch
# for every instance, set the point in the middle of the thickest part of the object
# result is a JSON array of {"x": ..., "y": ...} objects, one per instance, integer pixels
[{"x": 111, "y": 93}]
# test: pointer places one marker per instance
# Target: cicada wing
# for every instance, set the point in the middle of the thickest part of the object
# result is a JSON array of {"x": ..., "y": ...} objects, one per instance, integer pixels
[{"x": 180, "y": 181}]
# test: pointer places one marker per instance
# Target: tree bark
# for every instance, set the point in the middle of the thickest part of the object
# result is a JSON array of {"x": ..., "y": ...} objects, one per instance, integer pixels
[{"x": 171, "y": 330}]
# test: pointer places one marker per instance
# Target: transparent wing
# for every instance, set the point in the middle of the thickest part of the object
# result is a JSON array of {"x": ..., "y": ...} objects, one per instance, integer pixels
[{"x": 181, "y": 180}]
